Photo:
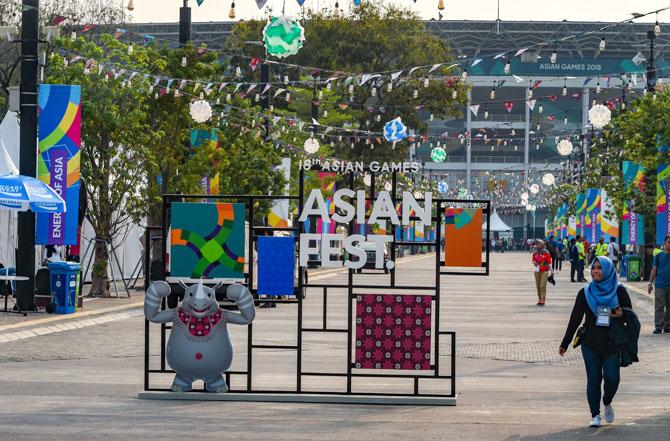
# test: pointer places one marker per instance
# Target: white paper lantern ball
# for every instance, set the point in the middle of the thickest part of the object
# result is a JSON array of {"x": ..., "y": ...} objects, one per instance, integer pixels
[
  {"x": 201, "y": 111},
  {"x": 535, "y": 189},
  {"x": 600, "y": 116},
  {"x": 311, "y": 146},
  {"x": 565, "y": 147},
  {"x": 548, "y": 179},
  {"x": 524, "y": 195}
]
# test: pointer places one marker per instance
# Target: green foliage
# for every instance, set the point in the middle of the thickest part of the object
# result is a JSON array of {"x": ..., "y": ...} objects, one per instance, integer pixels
[
  {"x": 373, "y": 38},
  {"x": 633, "y": 135}
]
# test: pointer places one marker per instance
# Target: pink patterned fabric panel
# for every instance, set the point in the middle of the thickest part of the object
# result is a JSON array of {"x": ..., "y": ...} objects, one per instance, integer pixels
[{"x": 393, "y": 331}]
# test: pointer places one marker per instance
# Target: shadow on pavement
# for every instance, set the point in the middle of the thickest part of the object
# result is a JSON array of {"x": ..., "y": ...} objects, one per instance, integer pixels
[{"x": 653, "y": 428}]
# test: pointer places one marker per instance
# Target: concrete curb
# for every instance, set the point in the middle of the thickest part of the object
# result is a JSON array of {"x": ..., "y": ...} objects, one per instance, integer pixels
[{"x": 75, "y": 316}]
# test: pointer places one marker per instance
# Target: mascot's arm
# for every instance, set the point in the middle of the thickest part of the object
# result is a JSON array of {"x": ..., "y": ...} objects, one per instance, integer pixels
[
  {"x": 152, "y": 303},
  {"x": 244, "y": 302}
]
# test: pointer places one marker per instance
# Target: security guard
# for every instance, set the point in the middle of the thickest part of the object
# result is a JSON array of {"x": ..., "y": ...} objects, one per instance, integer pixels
[{"x": 601, "y": 247}]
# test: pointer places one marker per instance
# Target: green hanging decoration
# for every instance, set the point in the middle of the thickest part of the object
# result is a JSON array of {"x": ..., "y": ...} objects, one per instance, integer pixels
[
  {"x": 283, "y": 36},
  {"x": 438, "y": 154}
]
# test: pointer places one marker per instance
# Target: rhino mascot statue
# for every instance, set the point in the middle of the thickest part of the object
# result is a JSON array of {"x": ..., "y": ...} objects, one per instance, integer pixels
[{"x": 199, "y": 347}]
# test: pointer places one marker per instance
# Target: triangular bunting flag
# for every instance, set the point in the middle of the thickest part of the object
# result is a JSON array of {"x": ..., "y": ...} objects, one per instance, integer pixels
[
  {"x": 474, "y": 109},
  {"x": 531, "y": 104}
]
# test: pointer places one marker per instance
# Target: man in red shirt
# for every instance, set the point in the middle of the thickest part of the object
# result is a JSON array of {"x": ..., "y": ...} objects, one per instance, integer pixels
[{"x": 542, "y": 267}]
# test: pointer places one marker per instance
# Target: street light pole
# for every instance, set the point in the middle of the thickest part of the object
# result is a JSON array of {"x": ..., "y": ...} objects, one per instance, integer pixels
[
  {"x": 25, "y": 261},
  {"x": 184, "y": 24},
  {"x": 651, "y": 67}
]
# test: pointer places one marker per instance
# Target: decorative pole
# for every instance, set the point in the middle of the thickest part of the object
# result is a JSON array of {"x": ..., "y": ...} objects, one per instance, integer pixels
[{"x": 25, "y": 261}]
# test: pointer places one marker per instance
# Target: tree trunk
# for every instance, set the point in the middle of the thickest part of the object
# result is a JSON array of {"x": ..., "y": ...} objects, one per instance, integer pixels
[{"x": 100, "y": 282}]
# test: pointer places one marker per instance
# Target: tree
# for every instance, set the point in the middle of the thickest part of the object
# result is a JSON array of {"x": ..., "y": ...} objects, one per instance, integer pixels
[
  {"x": 135, "y": 130},
  {"x": 633, "y": 135},
  {"x": 373, "y": 38},
  {"x": 114, "y": 138},
  {"x": 74, "y": 12}
]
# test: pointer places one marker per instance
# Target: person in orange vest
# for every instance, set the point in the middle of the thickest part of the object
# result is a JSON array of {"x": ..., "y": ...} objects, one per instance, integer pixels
[{"x": 542, "y": 267}]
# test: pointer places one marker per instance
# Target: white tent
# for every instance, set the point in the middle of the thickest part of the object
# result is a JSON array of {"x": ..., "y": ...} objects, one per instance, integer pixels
[
  {"x": 497, "y": 224},
  {"x": 9, "y": 160}
]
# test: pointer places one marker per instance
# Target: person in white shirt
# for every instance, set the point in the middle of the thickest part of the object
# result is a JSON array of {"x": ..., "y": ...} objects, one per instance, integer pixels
[{"x": 613, "y": 252}]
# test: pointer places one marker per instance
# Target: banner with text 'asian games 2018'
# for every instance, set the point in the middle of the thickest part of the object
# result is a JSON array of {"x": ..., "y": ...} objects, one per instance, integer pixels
[
  {"x": 632, "y": 223},
  {"x": 58, "y": 160}
]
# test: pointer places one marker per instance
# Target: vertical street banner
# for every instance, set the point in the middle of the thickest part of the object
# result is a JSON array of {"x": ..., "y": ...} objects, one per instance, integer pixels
[
  {"x": 609, "y": 223},
  {"x": 564, "y": 221},
  {"x": 547, "y": 228},
  {"x": 572, "y": 227},
  {"x": 662, "y": 201},
  {"x": 58, "y": 160},
  {"x": 580, "y": 214},
  {"x": 632, "y": 223},
  {"x": 278, "y": 217},
  {"x": 593, "y": 205}
]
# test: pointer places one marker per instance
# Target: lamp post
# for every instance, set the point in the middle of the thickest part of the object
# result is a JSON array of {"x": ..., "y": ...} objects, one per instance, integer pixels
[
  {"x": 184, "y": 24},
  {"x": 25, "y": 261},
  {"x": 651, "y": 67}
]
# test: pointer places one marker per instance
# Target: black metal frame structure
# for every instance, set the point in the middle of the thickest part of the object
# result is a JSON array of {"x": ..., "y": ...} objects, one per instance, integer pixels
[{"x": 352, "y": 288}]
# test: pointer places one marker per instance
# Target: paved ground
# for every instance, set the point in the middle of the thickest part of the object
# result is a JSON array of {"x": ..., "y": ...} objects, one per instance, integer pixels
[{"x": 80, "y": 383}]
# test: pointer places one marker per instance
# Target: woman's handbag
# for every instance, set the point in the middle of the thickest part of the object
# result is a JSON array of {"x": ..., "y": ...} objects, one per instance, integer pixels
[{"x": 578, "y": 337}]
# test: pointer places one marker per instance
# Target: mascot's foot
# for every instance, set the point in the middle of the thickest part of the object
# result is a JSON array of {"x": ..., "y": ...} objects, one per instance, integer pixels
[
  {"x": 217, "y": 389},
  {"x": 178, "y": 388},
  {"x": 216, "y": 385}
]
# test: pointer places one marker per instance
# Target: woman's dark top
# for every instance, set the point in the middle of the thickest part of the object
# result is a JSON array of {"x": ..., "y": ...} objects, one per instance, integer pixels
[{"x": 596, "y": 338}]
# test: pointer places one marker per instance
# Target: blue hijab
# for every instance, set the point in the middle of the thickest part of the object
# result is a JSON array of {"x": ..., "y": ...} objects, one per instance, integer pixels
[{"x": 603, "y": 293}]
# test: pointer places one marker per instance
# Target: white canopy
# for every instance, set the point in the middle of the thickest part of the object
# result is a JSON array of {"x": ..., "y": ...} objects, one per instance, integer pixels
[{"x": 497, "y": 224}]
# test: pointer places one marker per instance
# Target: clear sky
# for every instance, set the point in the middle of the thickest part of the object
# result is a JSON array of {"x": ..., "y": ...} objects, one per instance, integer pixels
[{"x": 528, "y": 10}]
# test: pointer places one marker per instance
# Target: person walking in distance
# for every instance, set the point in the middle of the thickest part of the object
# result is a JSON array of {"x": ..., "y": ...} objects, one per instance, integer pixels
[
  {"x": 573, "y": 255},
  {"x": 581, "y": 253},
  {"x": 542, "y": 266},
  {"x": 660, "y": 276},
  {"x": 560, "y": 255},
  {"x": 551, "y": 247},
  {"x": 599, "y": 303},
  {"x": 613, "y": 252}
]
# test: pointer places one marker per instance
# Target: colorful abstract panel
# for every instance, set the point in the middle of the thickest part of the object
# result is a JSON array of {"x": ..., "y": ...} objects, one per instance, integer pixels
[
  {"x": 609, "y": 223},
  {"x": 276, "y": 265},
  {"x": 58, "y": 161},
  {"x": 463, "y": 237},
  {"x": 580, "y": 214},
  {"x": 393, "y": 331},
  {"x": 207, "y": 240}
]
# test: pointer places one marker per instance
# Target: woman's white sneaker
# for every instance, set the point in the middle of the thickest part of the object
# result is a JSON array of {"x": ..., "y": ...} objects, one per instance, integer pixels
[
  {"x": 595, "y": 422},
  {"x": 609, "y": 413}
]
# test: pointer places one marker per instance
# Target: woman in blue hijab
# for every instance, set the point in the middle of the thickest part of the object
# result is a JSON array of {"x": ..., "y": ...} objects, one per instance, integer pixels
[{"x": 598, "y": 303}]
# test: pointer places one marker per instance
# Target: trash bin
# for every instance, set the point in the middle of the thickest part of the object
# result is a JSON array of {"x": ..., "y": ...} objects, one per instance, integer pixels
[
  {"x": 623, "y": 268},
  {"x": 64, "y": 286},
  {"x": 634, "y": 268}
]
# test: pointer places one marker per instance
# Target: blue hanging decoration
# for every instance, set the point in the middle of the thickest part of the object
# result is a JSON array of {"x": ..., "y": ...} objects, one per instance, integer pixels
[
  {"x": 356, "y": 2},
  {"x": 442, "y": 187},
  {"x": 300, "y": 2},
  {"x": 395, "y": 130},
  {"x": 200, "y": 2}
]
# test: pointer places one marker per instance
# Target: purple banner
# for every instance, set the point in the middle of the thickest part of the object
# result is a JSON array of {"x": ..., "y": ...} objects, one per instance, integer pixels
[
  {"x": 632, "y": 235},
  {"x": 594, "y": 222},
  {"x": 58, "y": 161}
]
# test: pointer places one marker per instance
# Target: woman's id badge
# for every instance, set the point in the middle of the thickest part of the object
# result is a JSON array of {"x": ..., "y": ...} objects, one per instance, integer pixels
[{"x": 603, "y": 316}]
